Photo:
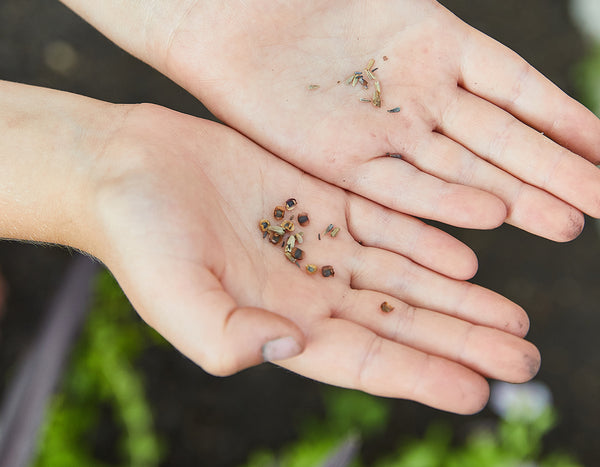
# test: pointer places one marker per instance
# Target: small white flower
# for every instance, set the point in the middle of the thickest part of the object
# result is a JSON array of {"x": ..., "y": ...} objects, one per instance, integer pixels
[{"x": 522, "y": 401}]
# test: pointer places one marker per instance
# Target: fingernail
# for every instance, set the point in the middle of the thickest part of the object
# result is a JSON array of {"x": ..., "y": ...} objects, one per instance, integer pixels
[{"x": 280, "y": 349}]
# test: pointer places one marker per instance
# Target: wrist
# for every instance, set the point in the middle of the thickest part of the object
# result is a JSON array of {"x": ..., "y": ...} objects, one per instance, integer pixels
[{"x": 51, "y": 142}]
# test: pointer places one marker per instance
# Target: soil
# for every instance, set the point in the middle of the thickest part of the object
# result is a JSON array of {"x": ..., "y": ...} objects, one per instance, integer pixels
[{"x": 218, "y": 421}]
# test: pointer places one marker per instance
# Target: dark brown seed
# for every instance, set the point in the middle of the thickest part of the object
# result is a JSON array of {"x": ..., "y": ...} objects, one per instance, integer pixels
[
  {"x": 311, "y": 268},
  {"x": 275, "y": 238},
  {"x": 279, "y": 212},
  {"x": 303, "y": 219},
  {"x": 297, "y": 253},
  {"x": 291, "y": 204},
  {"x": 327, "y": 271},
  {"x": 385, "y": 306}
]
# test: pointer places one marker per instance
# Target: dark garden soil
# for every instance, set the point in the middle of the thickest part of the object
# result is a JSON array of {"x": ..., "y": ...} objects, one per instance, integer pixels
[{"x": 216, "y": 422}]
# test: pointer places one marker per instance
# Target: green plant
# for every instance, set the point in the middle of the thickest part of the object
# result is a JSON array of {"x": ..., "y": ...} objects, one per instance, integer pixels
[
  {"x": 101, "y": 378},
  {"x": 514, "y": 439}
]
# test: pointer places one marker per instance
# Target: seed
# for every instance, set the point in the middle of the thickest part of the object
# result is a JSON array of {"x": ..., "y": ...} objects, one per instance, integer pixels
[
  {"x": 328, "y": 229},
  {"x": 374, "y": 70},
  {"x": 385, "y": 58},
  {"x": 312, "y": 87},
  {"x": 276, "y": 229},
  {"x": 289, "y": 256},
  {"x": 275, "y": 238},
  {"x": 290, "y": 204},
  {"x": 279, "y": 212},
  {"x": 377, "y": 98},
  {"x": 355, "y": 80},
  {"x": 394, "y": 155},
  {"x": 385, "y": 306},
  {"x": 288, "y": 225},
  {"x": 327, "y": 271},
  {"x": 300, "y": 238},
  {"x": 265, "y": 233},
  {"x": 365, "y": 99},
  {"x": 319, "y": 236},
  {"x": 370, "y": 74},
  {"x": 311, "y": 268},
  {"x": 363, "y": 83},
  {"x": 394, "y": 110},
  {"x": 264, "y": 225},
  {"x": 297, "y": 253},
  {"x": 334, "y": 232},
  {"x": 370, "y": 64},
  {"x": 289, "y": 245},
  {"x": 303, "y": 219}
]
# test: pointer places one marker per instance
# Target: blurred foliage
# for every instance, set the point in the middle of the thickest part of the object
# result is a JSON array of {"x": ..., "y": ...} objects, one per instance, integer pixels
[
  {"x": 101, "y": 378},
  {"x": 347, "y": 412},
  {"x": 512, "y": 441}
]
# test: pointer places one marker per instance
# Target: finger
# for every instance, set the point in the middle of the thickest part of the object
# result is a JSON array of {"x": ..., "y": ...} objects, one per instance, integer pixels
[
  {"x": 529, "y": 208},
  {"x": 206, "y": 325},
  {"x": 401, "y": 187},
  {"x": 487, "y": 351},
  {"x": 498, "y": 137},
  {"x": 499, "y": 75},
  {"x": 394, "y": 275},
  {"x": 375, "y": 226},
  {"x": 345, "y": 354}
]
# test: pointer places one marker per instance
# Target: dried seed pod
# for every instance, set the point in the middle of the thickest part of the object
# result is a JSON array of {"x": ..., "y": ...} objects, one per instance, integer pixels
[
  {"x": 300, "y": 238},
  {"x": 275, "y": 238},
  {"x": 276, "y": 229},
  {"x": 279, "y": 212},
  {"x": 291, "y": 204},
  {"x": 288, "y": 225},
  {"x": 297, "y": 253},
  {"x": 327, "y": 271},
  {"x": 311, "y": 268},
  {"x": 289, "y": 256},
  {"x": 290, "y": 243},
  {"x": 264, "y": 225},
  {"x": 303, "y": 219},
  {"x": 377, "y": 99},
  {"x": 385, "y": 306}
]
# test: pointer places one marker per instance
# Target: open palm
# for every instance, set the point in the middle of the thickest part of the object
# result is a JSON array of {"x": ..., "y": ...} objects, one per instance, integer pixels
[
  {"x": 176, "y": 214},
  {"x": 475, "y": 120}
]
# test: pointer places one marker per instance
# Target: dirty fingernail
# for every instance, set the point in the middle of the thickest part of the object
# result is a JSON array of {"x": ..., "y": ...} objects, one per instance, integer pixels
[{"x": 280, "y": 349}]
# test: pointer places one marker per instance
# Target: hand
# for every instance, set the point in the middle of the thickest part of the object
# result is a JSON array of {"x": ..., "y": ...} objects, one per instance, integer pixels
[
  {"x": 175, "y": 205},
  {"x": 475, "y": 119}
]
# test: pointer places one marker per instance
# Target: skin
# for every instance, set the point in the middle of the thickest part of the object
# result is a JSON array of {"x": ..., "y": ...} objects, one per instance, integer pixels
[
  {"x": 484, "y": 136},
  {"x": 171, "y": 205}
]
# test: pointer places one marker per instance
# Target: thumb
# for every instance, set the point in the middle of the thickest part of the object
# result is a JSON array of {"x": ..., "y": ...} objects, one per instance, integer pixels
[{"x": 206, "y": 324}]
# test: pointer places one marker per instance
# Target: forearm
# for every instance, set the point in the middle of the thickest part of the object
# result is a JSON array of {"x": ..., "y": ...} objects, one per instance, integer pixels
[{"x": 50, "y": 142}]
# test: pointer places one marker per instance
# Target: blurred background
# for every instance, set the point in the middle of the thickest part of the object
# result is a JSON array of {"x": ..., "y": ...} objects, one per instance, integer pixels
[{"x": 167, "y": 411}]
